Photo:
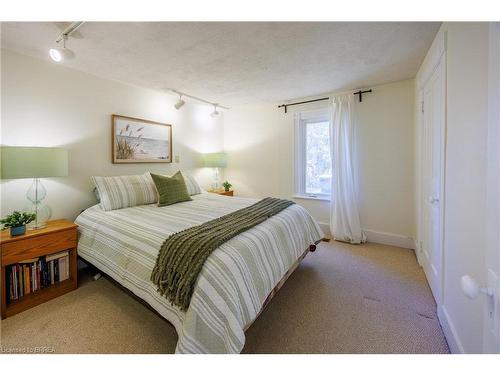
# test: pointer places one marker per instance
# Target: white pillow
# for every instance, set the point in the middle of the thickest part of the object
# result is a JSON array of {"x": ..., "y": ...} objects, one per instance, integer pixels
[
  {"x": 125, "y": 191},
  {"x": 192, "y": 185}
]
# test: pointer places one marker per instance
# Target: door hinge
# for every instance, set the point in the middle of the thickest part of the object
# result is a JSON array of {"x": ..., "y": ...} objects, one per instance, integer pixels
[{"x": 422, "y": 106}]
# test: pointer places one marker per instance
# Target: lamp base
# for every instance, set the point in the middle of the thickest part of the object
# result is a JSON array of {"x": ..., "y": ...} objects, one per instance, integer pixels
[
  {"x": 43, "y": 215},
  {"x": 216, "y": 184},
  {"x": 35, "y": 195}
]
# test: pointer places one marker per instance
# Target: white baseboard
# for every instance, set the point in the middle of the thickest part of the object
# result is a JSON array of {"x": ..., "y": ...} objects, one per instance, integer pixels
[
  {"x": 418, "y": 253},
  {"x": 389, "y": 239},
  {"x": 450, "y": 332},
  {"x": 379, "y": 237},
  {"x": 326, "y": 229}
]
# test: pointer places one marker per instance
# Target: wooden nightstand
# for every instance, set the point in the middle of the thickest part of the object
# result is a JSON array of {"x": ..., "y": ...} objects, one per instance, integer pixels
[
  {"x": 56, "y": 237},
  {"x": 229, "y": 193}
]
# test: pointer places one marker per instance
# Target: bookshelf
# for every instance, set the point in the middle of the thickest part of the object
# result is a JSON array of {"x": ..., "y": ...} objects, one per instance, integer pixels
[{"x": 58, "y": 236}]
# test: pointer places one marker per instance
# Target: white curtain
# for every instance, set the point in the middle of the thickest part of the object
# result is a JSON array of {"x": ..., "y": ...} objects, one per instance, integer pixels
[{"x": 344, "y": 216}]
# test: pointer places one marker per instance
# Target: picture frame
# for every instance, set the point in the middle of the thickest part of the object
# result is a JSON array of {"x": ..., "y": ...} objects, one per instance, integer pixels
[{"x": 137, "y": 140}]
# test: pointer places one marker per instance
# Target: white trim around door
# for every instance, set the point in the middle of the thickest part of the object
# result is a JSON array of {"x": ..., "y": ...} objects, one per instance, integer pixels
[{"x": 431, "y": 161}]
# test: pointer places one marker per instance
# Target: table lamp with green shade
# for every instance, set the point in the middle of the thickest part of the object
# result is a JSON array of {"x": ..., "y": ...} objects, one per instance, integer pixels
[
  {"x": 36, "y": 163},
  {"x": 214, "y": 160}
]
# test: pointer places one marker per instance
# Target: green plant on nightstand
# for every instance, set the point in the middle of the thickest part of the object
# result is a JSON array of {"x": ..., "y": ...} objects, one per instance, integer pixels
[
  {"x": 17, "y": 221},
  {"x": 226, "y": 185}
]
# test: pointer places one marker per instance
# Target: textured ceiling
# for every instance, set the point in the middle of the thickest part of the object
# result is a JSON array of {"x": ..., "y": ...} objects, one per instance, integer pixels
[{"x": 236, "y": 63}]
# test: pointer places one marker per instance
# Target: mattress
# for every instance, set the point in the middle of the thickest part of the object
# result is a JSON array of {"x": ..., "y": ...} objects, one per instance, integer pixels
[{"x": 235, "y": 280}]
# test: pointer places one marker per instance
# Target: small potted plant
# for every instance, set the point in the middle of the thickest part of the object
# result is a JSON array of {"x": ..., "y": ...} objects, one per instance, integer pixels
[
  {"x": 17, "y": 221},
  {"x": 226, "y": 185}
]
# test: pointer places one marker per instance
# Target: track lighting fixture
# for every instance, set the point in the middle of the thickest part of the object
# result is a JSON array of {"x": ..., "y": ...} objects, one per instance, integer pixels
[
  {"x": 63, "y": 54},
  {"x": 215, "y": 113},
  {"x": 180, "y": 103}
]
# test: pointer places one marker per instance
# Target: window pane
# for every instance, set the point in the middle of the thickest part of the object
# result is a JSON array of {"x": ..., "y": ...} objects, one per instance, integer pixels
[{"x": 318, "y": 163}]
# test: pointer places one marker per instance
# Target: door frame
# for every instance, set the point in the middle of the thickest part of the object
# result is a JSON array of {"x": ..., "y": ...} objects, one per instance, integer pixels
[
  {"x": 435, "y": 57},
  {"x": 491, "y": 329}
]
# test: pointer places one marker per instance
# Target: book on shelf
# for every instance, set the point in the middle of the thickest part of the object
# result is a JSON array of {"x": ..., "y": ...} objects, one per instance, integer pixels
[
  {"x": 32, "y": 275},
  {"x": 56, "y": 256}
]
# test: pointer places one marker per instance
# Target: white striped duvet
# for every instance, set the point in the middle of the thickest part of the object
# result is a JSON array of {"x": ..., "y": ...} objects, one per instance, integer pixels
[{"x": 235, "y": 280}]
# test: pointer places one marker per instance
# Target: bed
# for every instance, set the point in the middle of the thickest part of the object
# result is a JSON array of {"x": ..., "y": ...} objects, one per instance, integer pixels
[{"x": 236, "y": 281}]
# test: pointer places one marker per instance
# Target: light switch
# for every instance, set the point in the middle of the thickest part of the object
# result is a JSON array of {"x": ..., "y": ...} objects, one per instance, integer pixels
[{"x": 177, "y": 158}]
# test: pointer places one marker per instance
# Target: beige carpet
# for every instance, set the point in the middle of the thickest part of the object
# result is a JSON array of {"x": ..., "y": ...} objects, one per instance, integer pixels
[{"x": 342, "y": 299}]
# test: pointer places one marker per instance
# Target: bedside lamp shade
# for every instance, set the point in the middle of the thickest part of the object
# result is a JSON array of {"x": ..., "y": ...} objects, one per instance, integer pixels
[
  {"x": 214, "y": 160},
  {"x": 33, "y": 162}
]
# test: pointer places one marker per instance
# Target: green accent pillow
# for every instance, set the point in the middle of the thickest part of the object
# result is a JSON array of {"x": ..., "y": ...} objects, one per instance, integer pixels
[{"x": 170, "y": 189}]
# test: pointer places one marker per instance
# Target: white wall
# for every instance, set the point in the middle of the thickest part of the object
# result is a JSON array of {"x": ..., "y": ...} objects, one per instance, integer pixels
[
  {"x": 465, "y": 181},
  {"x": 46, "y": 104},
  {"x": 385, "y": 148},
  {"x": 259, "y": 142},
  {"x": 466, "y": 160}
]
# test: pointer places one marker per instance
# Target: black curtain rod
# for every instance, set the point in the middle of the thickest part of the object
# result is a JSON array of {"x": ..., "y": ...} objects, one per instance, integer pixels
[{"x": 360, "y": 93}]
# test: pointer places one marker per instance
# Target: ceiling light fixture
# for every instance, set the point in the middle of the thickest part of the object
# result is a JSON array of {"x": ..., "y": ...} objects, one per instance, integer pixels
[
  {"x": 63, "y": 54},
  {"x": 180, "y": 103},
  {"x": 215, "y": 113}
]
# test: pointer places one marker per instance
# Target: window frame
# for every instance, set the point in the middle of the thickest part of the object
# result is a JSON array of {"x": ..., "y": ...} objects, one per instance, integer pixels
[{"x": 301, "y": 119}]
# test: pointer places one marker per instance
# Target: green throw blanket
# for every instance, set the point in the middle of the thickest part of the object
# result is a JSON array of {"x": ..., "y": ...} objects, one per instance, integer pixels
[{"x": 183, "y": 254}]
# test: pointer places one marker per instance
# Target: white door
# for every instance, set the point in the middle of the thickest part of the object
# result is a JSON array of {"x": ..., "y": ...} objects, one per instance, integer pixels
[
  {"x": 433, "y": 125},
  {"x": 491, "y": 319}
]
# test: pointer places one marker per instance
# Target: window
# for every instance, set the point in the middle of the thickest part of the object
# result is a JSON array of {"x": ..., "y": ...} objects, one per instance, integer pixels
[{"x": 313, "y": 167}]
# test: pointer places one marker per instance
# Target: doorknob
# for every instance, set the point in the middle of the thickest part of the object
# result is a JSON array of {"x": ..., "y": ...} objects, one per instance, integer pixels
[{"x": 471, "y": 288}]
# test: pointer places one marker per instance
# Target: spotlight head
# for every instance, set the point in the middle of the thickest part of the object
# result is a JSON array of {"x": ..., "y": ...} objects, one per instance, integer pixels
[
  {"x": 61, "y": 54},
  {"x": 215, "y": 113},
  {"x": 179, "y": 104}
]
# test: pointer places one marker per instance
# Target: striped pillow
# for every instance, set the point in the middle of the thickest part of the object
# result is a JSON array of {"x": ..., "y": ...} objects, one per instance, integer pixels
[
  {"x": 125, "y": 191},
  {"x": 191, "y": 183}
]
